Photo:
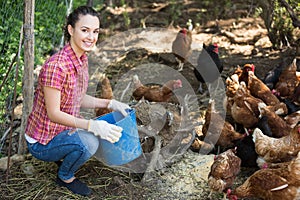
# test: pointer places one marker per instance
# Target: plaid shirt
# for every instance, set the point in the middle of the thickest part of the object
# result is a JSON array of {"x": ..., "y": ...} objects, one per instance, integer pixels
[{"x": 68, "y": 74}]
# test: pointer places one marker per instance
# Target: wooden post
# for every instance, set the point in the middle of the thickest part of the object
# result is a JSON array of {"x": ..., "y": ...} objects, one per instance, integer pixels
[
  {"x": 89, "y": 3},
  {"x": 28, "y": 78}
]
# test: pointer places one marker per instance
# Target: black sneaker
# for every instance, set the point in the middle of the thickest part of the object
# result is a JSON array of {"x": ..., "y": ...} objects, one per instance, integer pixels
[
  {"x": 58, "y": 163},
  {"x": 76, "y": 186}
]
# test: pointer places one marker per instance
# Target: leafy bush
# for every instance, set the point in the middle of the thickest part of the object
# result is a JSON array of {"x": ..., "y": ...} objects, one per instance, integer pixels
[{"x": 49, "y": 21}]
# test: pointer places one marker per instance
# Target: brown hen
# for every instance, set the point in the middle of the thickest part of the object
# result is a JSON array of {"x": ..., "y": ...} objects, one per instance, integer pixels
[
  {"x": 288, "y": 80},
  {"x": 217, "y": 130},
  {"x": 181, "y": 47},
  {"x": 292, "y": 119},
  {"x": 106, "y": 93},
  {"x": 243, "y": 73},
  {"x": 260, "y": 90},
  {"x": 272, "y": 149},
  {"x": 223, "y": 171},
  {"x": 282, "y": 182},
  {"x": 245, "y": 107},
  {"x": 155, "y": 93},
  {"x": 278, "y": 126},
  {"x": 232, "y": 85},
  {"x": 296, "y": 96}
]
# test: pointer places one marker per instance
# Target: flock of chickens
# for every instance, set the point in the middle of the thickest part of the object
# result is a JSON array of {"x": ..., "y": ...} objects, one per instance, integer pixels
[{"x": 261, "y": 128}]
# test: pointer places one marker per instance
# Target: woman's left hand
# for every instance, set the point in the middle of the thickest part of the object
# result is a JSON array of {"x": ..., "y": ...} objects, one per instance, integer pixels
[{"x": 118, "y": 106}]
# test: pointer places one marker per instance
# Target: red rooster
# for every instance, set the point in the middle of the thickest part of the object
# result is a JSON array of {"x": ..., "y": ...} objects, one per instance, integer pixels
[{"x": 181, "y": 47}]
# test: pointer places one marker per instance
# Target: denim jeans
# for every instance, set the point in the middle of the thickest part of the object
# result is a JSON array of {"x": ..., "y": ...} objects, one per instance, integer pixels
[{"x": 75, "y": 147}]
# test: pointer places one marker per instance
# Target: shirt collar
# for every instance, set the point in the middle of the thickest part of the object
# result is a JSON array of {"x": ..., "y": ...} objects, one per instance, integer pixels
[{"x": 77, "y": 62}]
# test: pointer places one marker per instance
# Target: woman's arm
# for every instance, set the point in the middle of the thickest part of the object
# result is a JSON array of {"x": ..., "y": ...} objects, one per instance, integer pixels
[
  {"x": 93, "y": 102},
  {"x": 52, "y": 101}
]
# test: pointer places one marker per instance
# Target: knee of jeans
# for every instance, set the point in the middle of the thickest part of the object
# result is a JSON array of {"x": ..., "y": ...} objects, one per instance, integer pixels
[
  {"x": 90, "y": 141},
  {"x": 93, "y": 146}
]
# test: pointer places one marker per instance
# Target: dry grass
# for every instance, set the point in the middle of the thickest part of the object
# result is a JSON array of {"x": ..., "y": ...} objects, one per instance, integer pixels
[{"x": 34, "y": 179}]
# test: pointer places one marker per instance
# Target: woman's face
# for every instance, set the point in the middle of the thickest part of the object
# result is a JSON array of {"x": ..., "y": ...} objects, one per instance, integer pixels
[{"x": 85, "y": 34}]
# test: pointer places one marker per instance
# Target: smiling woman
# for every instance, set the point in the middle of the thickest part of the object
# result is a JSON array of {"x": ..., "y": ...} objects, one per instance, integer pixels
[
  {"x": 85, "y": 34},
  {"x": 55, "y": 131}
]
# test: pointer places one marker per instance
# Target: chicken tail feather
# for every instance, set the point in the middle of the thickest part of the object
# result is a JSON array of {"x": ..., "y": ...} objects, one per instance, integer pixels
[
  {"x": 280, "y": 187},
  {"x": 136, "y": 81}
]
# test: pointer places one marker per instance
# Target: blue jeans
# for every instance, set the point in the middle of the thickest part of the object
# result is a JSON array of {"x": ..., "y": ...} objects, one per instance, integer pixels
[{"x": 75, "y": 147}]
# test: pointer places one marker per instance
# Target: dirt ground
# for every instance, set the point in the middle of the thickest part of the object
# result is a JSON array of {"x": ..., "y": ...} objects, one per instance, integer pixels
[{"x": 131, "y": 52}]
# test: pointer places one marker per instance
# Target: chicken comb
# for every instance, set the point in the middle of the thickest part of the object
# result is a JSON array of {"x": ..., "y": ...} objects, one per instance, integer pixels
[
  {"x": 183, "y": 31},
  {"x": 251, "y": 66},
  {"x": 216, "y": 48}
]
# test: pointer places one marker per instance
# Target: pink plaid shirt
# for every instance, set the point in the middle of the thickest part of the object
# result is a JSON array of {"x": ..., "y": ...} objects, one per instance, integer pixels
[{"x": 68, "y": 74}]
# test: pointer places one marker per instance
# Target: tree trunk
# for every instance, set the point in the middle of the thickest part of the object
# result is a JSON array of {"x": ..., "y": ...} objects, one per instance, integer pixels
[
  {"x": 28, "y": 79},
  {"x": 89, "y": 3}
]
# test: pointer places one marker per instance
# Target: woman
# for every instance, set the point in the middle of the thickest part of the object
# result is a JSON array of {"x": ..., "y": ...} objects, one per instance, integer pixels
[{"x": 55, "y": 131}]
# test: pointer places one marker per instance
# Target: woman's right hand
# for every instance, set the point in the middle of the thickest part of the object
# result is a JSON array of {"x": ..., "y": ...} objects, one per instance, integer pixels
[{"x": 105, "y": 130}]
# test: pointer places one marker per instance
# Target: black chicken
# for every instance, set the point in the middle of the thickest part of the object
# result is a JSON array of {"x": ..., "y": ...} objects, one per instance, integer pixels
[
  {"x": 263, "y": 125},
  {"x": 245, "y": 150},
  {"x": 209, "y": 66},
  {"x": 272, "y": 77}
]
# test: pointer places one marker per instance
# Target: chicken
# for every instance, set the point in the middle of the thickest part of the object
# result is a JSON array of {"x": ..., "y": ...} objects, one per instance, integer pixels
[
  {"x": 288, "y": 81},
  {"x": 223, "y": 171},
  {"x": 232, "y": 85},
  {"x": 281, "y": 182},
  {"x": 277, "y": 149},
  {"x": 106, "y": 93},
  {"x": 243, "y": 73},
  {"x": 263, "y": 125},
  {"x": 296, "y": 96},
  {"x": 200, "y": 146},
  {"x": 278, "y": 126},
  {"x": 291, "y": 106},
  {"x": 245, "y": 150},
  {"x": 217, "y": 130},
  {"x": 245, "y": 107},
  {"x": 259, "y": 90},
  {"x": 181, "y": 47},
  {"x": 155, "y": 93},
  {"x": 209, "y": 66},
  {"x": 272, "y": 77},
  {"x": 292, "y": 119},
  {"x": 268, "y": 165}
]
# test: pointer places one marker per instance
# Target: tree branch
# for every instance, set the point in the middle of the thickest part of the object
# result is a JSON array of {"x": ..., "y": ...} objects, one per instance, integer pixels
[{"x": 296, "y": 21}]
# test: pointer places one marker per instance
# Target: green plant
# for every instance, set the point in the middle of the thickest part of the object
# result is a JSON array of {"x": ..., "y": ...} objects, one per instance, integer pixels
[
  {"x": 278, "y": 21},
  {"x": 10, "y": 28},
  {"x": 125, "y": 14},
  {"x": 175, "y": 10}
]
